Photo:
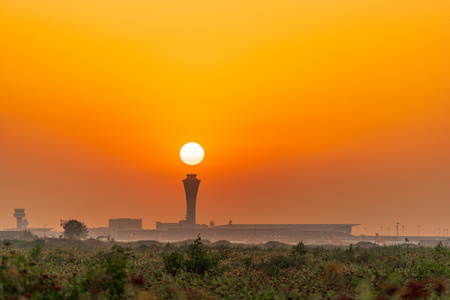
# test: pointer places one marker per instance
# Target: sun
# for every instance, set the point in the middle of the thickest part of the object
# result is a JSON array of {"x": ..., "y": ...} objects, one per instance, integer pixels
[{"x": 192, "y": 153}]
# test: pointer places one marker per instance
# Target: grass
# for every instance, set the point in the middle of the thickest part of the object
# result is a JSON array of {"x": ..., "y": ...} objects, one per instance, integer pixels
[{"x": 58, "y": 269}]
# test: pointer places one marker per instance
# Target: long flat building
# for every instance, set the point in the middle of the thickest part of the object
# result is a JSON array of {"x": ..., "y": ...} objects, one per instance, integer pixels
[{"x": 261, "y": 233}]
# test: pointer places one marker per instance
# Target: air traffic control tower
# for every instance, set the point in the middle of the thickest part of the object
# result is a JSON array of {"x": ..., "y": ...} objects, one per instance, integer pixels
[
  {"x": 19, "y": 213},
  {"x": 191, "y": 184}
]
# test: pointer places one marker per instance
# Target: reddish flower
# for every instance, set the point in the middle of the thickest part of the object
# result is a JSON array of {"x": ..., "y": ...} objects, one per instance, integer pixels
[
  {"x": 56, "y": 287},
  {"x": 391, "y": 289},
  {"x": 28, "y": 294},
  {"x": 343, "y": 297},
  {"x": 440, "y": 287},
  {"x": 95, "y": 291},
  {"x": 415, "y": 290},
  {"x": 138, "y": 280}
]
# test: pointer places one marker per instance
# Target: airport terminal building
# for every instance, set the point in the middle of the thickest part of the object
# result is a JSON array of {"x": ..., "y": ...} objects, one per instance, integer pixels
[{"x": 127, "y": 229}]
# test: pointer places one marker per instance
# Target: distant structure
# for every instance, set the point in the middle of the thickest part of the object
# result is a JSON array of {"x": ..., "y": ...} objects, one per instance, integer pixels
[
  {"x": 22, "y": 223},
  {"x": 125, "y": 224},
  {"x": 261, "y": 233},
  {"x": 122, "y": 229},
  {"x": 191, "y": 184}
]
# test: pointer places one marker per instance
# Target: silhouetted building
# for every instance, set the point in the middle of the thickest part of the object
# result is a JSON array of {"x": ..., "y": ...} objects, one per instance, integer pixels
[
  {"x": 125, "y": 229},
  {"x": 125, "y": 224},
  {"x": 262, "y": 233},
  {"x": 250, "y": 233},
  {"x": 11, "y": 234},
  {"x": 96, "y": 232},
  {"x": 160, "y": 225},
  {"x": 191, "y": 184},
  {"x": 19, "y": 213},
  {"x": 43, "y": 232}
]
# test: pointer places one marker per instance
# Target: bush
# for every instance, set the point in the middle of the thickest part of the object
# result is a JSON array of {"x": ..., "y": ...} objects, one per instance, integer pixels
[
  {"x": 174, "y": 262},
  {"x": 300, "y": 249},
  {"x": 440, "y": 247},
  {"x": 36, "y": 253},
  {"x": 109, "y": 276},
  {"x": 279, "y": 261},
  {"x": 198, "y": 259}
]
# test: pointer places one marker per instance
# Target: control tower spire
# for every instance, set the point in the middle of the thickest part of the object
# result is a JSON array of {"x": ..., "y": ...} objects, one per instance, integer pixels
[
  {"x": 19, "y": 213},
  {"x": 191, "y": 184}
]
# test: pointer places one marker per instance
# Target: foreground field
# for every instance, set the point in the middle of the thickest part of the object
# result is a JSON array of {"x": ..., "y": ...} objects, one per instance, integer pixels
[{"x": 90, "y": 270}]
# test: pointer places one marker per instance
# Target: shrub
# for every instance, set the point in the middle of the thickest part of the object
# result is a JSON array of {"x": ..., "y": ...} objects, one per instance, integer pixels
[
  {"x": 174, "y": 262},
  {"x": 109, "y": 276},
  {"x": 440, "y": 247},
  {"x": 36, "y": 253},
  {"x": 300, "y": 249},
  {"x": 279, "y": 261},
  {"x": 198, "y": 259}
]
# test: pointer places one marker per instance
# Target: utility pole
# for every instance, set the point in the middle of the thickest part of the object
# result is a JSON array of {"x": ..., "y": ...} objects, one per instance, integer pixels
[
  {"x": 381, "y": 230},
  {"x": 418, "y": 230},
  {"x": 403, "y": 230},
  {"x": 388, "y": 231}
]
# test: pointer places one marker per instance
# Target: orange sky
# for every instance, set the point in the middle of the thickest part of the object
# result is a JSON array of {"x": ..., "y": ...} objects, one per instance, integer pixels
[{"x": 308, "y": 111}]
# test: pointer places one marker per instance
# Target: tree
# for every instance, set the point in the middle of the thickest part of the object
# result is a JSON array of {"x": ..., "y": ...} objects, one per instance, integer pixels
[{"x": 74, "y": 229}]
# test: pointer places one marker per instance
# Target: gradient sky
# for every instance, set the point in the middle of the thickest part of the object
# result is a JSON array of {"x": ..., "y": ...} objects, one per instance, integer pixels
[{"x": 308, "y": 111}]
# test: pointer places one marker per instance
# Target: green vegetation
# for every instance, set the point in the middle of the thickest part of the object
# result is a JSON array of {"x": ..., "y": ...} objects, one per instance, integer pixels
[
  {"x": 74, "y": 229},
  {"x": 68, "y": 269}
]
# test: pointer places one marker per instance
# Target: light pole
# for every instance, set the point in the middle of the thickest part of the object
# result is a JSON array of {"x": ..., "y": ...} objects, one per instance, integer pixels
[
  {"x": 396, "y": 226},
  {"x": 439, "y": 232},
  {"x": 403, "y": 230},
  {"x": 388, "y": 231},
  {"x": 418, "y": 230},
  {"x": 381, "y": 230}
]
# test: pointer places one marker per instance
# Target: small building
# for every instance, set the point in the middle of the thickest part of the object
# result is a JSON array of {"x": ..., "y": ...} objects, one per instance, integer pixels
[
  {"x": 125, "y": 223},
  {"x": 125, "y": 229}
]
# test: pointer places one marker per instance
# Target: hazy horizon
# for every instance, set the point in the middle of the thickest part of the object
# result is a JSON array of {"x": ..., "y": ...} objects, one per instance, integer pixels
[{"x": 308, "y": 112}]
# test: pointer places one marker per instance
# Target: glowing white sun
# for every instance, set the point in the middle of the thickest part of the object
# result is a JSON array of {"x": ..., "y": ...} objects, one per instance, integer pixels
[{"x": 192, "y": 153}]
